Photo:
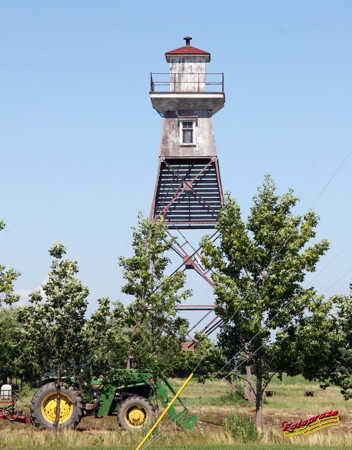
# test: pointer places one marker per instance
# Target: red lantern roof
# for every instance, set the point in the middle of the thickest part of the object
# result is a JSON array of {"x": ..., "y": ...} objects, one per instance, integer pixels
[{"x": 188, "y": 50}]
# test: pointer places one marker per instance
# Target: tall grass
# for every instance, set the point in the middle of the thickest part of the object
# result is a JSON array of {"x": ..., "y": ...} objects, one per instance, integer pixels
[
  {"x": 24, "y": 436},
  {"x": 213, "y": 402},
  {"x": 31, "y": 438}
]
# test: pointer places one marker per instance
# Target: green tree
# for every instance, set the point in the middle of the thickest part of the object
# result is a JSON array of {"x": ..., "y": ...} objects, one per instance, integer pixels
[
  {"x": 56, "y": 325},
  {"x": 258, "y": 269},
  {"x": 17, "y": 358},
  {"x": 340, "y": 372},
  {"x": 157, "y": 331},
  {"x": 8, "y": 321},
  {"x": 10, "y": 350},
  {"x": 32, "y": 341},
  {"x": 319, "y": 346},
  {"x": 7, "y": 278},
  {"x": 107, "y": 339}
]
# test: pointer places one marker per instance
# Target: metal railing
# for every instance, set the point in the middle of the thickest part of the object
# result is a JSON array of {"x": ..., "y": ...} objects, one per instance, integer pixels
[{"x": 186, "y": 82}]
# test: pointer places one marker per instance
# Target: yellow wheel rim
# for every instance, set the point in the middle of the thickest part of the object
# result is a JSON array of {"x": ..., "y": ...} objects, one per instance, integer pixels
[
  {"x": 136, "y": 416},
  {"x": 49, "y": 407}
]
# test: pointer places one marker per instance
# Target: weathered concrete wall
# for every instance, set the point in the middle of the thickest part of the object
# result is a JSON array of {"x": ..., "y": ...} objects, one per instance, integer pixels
[
  {"x": 171, "y": 146},
  {"x": 187, "y": 74}
]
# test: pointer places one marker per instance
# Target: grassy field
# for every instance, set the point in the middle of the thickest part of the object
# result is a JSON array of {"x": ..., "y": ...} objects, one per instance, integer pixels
[{"x": 212, "y": 402}]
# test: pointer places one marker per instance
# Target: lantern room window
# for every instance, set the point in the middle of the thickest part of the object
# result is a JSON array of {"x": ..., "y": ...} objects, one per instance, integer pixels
[{"x": 187, "y": 132}]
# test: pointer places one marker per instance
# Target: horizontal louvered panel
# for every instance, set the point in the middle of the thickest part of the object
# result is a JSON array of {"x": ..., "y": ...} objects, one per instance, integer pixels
[{"x": 188, "y": 193}]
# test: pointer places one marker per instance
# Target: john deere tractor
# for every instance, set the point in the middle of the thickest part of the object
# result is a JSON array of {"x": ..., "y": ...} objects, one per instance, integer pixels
[{"x": 132, "y": 401}]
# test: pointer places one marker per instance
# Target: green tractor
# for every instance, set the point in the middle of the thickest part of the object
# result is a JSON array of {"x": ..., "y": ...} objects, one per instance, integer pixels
[{"x": 131, "y": 401}]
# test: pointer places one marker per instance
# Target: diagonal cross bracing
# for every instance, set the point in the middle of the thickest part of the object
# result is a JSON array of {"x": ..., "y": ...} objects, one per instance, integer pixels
[{"x": 188, "y": 193}]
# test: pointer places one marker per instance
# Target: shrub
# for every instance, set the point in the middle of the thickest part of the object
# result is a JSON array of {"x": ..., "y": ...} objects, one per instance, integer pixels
[{"x": 241, "y": 427}]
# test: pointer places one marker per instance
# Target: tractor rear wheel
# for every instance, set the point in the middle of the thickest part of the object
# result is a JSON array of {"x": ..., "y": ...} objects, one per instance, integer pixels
[
  {"x": 43, "y": 407},
  {"x": 135, "y": 412}
]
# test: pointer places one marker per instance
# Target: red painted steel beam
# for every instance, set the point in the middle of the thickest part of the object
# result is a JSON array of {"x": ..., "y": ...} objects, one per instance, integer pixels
[{"x": 210, "y": 323}]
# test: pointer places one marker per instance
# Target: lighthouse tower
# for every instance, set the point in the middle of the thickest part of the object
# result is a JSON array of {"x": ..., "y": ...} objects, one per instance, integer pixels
[{"x": 188, "y": 192}]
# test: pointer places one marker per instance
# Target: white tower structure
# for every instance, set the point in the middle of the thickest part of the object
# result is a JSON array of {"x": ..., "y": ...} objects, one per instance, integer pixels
[{"x": 188, "y": 192}]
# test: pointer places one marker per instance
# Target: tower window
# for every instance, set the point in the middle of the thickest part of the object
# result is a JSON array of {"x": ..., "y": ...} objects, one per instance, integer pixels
[{"x": 187, "y": 132}]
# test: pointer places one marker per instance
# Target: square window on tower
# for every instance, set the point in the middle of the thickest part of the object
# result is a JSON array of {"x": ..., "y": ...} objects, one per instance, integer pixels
[{"x": 187, "y": 132}]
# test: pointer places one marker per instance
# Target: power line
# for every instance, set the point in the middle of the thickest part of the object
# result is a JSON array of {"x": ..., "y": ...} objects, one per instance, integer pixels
[
  {"x": 272, "y": 260},
  {"x": 330, "y": 179},
  {"x": 329, "y": 264},
  {"x": 275, "y": 256},
  {"x": 333, "y": 284},
  {"x": 226, "y": 321}
]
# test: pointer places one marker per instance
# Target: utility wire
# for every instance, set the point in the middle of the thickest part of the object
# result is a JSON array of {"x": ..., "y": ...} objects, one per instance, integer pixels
[
  {"x": 271, "y": 261},
  {"x": 327, "y": 265},
  {"x": 255, "y": 351},
  {"x": 161, "y": 430},
  {"x": 261, "y": 346},
  {"x": 348, "y": 271},
  {"x": 243, "y": 348},
  {"x": 277, "y": 254},
  {"x": 331, "y": 178}
]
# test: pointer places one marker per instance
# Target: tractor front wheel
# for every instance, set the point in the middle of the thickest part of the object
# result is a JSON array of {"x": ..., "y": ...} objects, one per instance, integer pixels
[
  {"x": 43, "y": 407},
  {"x": 135, "y": 412}
]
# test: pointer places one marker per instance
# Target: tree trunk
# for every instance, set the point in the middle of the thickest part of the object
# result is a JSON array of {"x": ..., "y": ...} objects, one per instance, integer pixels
[
  {"x": 249, "y": 393},
  {"x": 258, "y": 403},
  {"x": 58, "y": 401}
]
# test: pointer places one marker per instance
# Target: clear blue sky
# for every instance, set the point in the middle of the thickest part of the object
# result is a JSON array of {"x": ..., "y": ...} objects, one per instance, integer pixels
[{"x": 79, "y": 139}]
